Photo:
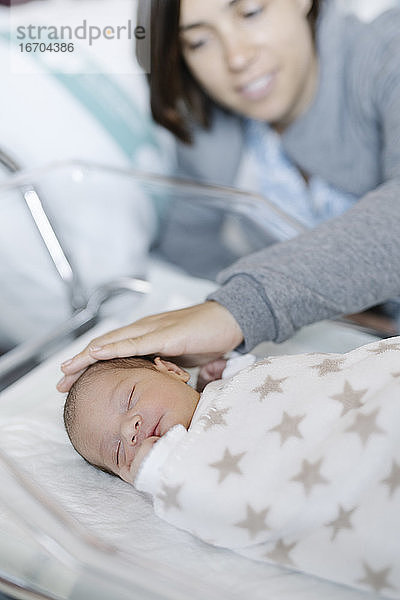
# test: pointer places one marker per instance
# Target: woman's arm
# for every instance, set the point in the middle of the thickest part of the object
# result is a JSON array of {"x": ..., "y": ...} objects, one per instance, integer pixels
[
  {"x": 351, "y": 262},
  {"x": 343, "y": 266}
]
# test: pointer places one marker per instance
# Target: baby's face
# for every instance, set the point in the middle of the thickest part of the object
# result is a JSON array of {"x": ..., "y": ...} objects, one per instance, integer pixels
[{"x": 126, "y": 411}]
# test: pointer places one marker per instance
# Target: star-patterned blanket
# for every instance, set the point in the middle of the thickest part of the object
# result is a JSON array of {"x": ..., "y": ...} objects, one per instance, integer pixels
[{"x": 294, "y": 460}]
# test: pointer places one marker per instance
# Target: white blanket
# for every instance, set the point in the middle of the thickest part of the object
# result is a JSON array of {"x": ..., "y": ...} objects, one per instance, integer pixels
[{"x": 295, "y": 460}]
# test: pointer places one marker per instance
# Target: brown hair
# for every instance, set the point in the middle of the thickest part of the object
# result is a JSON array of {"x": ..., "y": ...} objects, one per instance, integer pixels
[
  {"x": 81, "y": 384},
  {"x": 175, "y": 96}
]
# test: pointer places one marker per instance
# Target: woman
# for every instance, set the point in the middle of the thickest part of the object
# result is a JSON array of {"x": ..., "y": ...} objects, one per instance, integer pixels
[{"x": 335, "y": 106}]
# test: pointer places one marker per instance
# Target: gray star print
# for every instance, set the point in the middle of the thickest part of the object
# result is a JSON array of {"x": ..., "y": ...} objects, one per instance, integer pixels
[
  {"x": 384, "y": 347},
  {"x": 259, "y": 363},
  {"x": 349, "y": 398},
  {"x": 342, "y": 521},
  {"x": 228, "y": 465},
  {"x": 393, "y": 480},
  {"x": 310, "y": 476},
  {"x": 214, "y": 417},
  {"x": 169, "y": 495},
  {"x": 280, "y": 554},
  {"x": 377, "y": 580},
  {"x": 365, "y": 425},
  {"x": 269, "y": 386},
  {"x": 254, "y": 522},
  {"x": 329, "y": 365},
  {"x": 288, "y": 427}
]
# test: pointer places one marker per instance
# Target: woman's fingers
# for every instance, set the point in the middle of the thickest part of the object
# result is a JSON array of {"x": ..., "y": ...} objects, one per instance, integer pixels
[
  {"x": 138, "y": 346},
  {"x": 109, "y": 346},
  {"x": 79, "y": 362},
  {"x": 85, "y": 358},
  {"x": 203, "y": 331},
  {"x": 67, "y": 381}
]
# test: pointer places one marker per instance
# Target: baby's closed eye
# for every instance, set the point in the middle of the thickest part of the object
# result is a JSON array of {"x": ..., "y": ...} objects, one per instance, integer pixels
[
  {"x": 118, "y": 453},
  {"x": 131, "y": 401}
]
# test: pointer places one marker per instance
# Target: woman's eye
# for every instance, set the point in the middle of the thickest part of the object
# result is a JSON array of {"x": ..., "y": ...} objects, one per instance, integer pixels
[
  {"x": 195, "y": 45},
  {"x": 252, "y": 9},
  {"x": 252, "y": 13}
]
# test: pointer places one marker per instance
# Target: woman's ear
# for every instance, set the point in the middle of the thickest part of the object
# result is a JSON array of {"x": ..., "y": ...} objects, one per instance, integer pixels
[{"x": 170, "y": 368}]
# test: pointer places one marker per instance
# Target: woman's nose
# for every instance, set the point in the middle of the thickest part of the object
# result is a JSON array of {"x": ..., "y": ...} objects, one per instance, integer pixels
[
  {"x": 239, "y": 54},
  {"x": 131, "y": 428}
]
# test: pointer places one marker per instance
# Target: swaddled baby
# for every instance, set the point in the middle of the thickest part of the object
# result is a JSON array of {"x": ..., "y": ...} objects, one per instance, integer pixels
[{"x": 294, "y": 460}]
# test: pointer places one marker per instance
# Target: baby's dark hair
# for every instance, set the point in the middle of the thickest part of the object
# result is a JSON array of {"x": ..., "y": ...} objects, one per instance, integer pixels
[{"x": 87, "y": 377}]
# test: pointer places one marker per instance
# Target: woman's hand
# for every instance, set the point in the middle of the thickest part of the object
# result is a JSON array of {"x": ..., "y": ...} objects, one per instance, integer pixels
[{"x": 195, "y": 335}]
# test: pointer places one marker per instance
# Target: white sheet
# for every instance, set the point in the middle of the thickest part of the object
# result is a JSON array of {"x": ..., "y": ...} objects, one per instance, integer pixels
[{"x": 31, "y": 432}]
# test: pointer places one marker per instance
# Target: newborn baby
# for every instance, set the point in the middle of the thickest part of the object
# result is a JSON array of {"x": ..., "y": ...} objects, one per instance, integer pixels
[
  {"x": 119, "y": 408},
  {"x": 294, "y": 460}
]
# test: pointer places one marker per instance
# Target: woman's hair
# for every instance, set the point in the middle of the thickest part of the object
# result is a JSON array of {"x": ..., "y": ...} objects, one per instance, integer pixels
[{"x": 175, "y": 96}]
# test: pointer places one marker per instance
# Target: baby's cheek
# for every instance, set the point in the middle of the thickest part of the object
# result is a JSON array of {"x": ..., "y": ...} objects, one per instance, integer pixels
[{"x": 141, "y": 454}]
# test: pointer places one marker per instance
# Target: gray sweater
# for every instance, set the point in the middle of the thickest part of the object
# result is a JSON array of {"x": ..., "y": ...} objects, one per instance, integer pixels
[{"x": 350, "y": 137}]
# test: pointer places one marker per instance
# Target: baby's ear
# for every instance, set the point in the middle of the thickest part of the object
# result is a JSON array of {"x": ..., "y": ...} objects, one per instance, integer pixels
[{"x": 170, "y": 368}]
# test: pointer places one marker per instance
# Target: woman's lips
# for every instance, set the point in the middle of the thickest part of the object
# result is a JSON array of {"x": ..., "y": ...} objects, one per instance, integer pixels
[{"x": 257, "y": 88}]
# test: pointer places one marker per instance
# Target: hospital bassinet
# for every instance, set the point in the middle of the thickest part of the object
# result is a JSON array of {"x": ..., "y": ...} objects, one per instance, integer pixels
[{"x": 68, "y": 531}]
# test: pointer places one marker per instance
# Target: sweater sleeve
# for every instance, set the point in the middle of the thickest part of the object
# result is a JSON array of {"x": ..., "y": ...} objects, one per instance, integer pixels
[{"x": 345, "y": 265}]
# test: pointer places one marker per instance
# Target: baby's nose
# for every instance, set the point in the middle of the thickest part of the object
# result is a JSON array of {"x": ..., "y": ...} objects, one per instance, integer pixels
[{"x": 132, "y": 428}]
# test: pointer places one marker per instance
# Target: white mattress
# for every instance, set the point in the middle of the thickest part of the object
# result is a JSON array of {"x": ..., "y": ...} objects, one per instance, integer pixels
[{"x": 32, "y": 434}]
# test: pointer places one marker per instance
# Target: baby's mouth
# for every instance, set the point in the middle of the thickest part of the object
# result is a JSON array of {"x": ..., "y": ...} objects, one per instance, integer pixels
[{"x": 156, "y": 429}]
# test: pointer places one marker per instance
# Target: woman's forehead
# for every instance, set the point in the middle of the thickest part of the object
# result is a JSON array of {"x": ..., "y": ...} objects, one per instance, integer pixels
[{"x": 194, "y": 12}]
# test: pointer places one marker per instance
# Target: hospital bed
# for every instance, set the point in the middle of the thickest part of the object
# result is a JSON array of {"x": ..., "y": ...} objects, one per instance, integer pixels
[{"x": 68, "y": 531}]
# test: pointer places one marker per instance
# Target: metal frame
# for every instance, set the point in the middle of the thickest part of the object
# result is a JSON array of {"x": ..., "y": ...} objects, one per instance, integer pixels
[
  {"x": 84, "y": 310},
  {"x": 48, "y": 235}
]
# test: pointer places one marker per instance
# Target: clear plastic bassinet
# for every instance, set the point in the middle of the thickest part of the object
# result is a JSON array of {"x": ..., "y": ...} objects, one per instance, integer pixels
[{"x": 66, "y": 530}]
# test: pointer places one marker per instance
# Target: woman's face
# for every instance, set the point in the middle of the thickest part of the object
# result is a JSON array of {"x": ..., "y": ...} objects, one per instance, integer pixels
[{"x": 255, "y": 57}]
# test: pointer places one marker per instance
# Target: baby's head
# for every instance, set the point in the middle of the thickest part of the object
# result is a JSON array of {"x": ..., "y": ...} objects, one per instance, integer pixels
[{"x": 119, "y": 408}]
